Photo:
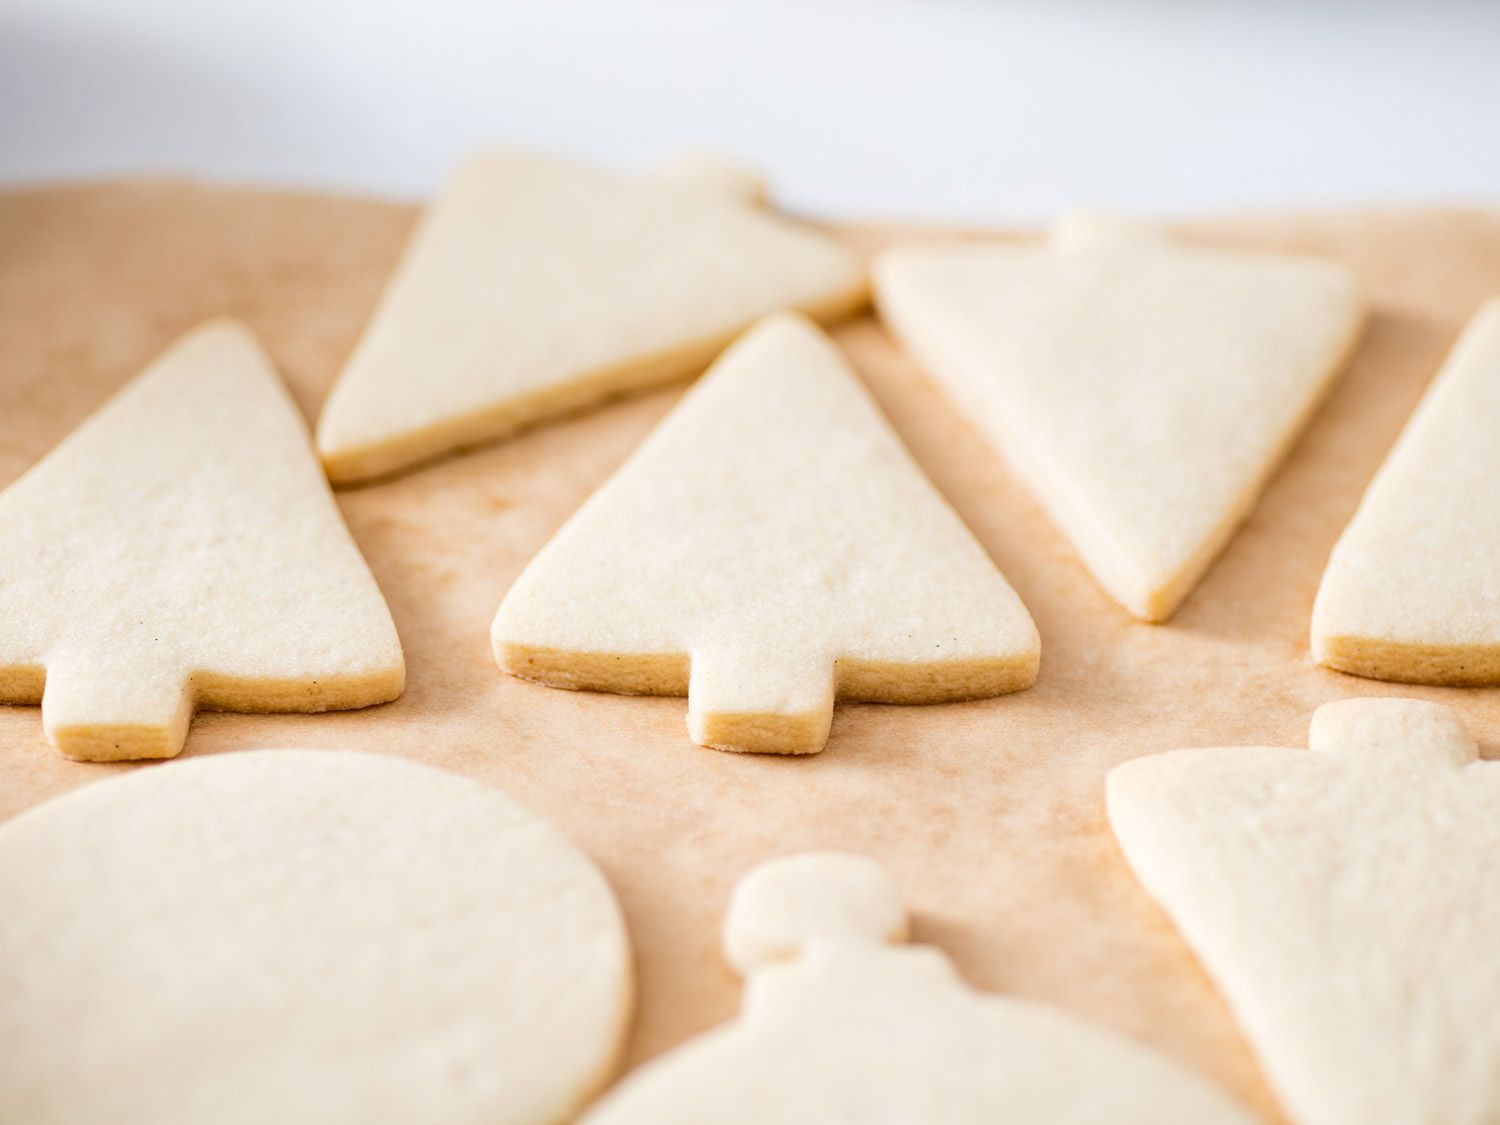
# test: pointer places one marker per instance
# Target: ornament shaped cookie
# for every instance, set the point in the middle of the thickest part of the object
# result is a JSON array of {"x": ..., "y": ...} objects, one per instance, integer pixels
[
  {"x": 841, "y": 1025},
  {"x": 1144, "y": 388},
  {"x": 1412, "y": 590},
  {"x": 302, "y": 936},
  {"x": 1343, "y": 899},
  {"x": 181, "y": 549},
  {"x": 770, "y": 544},
  {"x": 534, "y": 287}
]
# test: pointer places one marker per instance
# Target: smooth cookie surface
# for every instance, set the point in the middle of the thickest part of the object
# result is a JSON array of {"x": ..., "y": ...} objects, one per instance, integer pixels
[
  {"x": 1144, "y": 388},
  {"x": 1412, "y": 590},
  {"x": 839, "y": 1025},
  {"x": 1342, "y": 898},
  {"x": 534, "y": 287},
  {"x": 299, "y": 936},
  {"x": 181, "y": 549},
  {"x": 769, "y": 546}
]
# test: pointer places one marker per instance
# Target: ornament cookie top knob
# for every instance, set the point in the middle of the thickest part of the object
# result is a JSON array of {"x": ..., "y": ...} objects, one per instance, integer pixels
[{"x": 784, "y": 906}]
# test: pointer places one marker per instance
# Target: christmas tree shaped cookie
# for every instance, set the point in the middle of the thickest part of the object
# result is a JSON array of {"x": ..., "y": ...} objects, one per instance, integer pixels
[
  {"x": 534, "y": 287},
  {"x": 181, "y": 549},
  {"x": 302, "y": 937},
  {"x": 770, "y": 545},
  {"x": 1344, "y": 900},
  {"x": 1145, "y": 388},
  {"x": 1412, "y": 591},
  {"x": 841, "y": 1025}
]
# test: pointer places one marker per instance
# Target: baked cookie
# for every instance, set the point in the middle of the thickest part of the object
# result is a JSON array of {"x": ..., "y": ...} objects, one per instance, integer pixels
[
  {"x": 769, "y": 546},
  {"x": 1144, "y": 388},
  {"x": 1343, "y": 899},
  {"x": 840, "y": 1024},
  {"x": 534, "y": 287},
  {"x": 299, "y": 936},
  {"x": 1412, "y": 590},
  {"x": 181, "y": 549}
]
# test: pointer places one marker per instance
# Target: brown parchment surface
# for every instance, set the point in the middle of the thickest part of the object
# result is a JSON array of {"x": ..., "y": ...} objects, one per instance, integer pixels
[{"x": 990, "y": 814}]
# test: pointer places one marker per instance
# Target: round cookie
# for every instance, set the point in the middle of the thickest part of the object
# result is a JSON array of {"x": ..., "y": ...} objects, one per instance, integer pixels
[{"x": 302, "y": 936}]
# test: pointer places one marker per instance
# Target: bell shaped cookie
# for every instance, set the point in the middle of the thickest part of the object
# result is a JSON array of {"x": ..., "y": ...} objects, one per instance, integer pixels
[
  {"x": 769, "y": 546},
  {"x": 840, "y": 1024},
  {"x": 1343, "y": 898},
  {"x": 303, "y": 937},
  {"x": 534, "y": 287},
  {"x": 1144, "y": 388},
  {"x": 1412, "y": 590},
  {"x": 181, "y": 549}
]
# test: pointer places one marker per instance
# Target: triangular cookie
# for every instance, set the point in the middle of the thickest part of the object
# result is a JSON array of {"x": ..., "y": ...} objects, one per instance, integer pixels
[
  {"x": 840, "y": 1025},
  {"x": 1412, "y": 591},
  {"x": 1145, "y": 388},
  {"x": 181, "y": 548},
  {"x": 1344, "y": 900},
  {"x": 772, "y": 542},
  {"x": 534, "y": 287}
]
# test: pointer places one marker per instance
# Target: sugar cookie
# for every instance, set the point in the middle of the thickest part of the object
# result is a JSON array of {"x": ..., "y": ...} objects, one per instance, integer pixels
[
  {"x": 1145, "y": 388},
  {"x": 770, "y": 545},
  {"x": 1343, "y": 899},
  {"x": 1412, "y": 591},
  {"x": 300, "y": 936},
  {"x": 181, "y": 549},
  {"x": 839, "y": 1025},
  {"x": 534, "y": 287}
]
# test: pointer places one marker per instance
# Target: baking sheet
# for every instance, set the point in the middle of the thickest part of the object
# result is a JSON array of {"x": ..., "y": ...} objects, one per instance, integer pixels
[{"x": 989, "y": 814}]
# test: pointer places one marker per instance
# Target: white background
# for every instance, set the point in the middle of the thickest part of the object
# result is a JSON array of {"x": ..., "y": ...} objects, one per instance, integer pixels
[{"x": 945, "y": 108}]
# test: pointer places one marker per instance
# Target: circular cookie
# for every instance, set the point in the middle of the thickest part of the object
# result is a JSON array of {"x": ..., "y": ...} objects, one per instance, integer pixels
[{"x": 302, "y": 936}]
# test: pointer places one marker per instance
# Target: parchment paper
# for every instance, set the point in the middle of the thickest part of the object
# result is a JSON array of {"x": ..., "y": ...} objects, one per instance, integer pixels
[{"x": 990, "y": 814}]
